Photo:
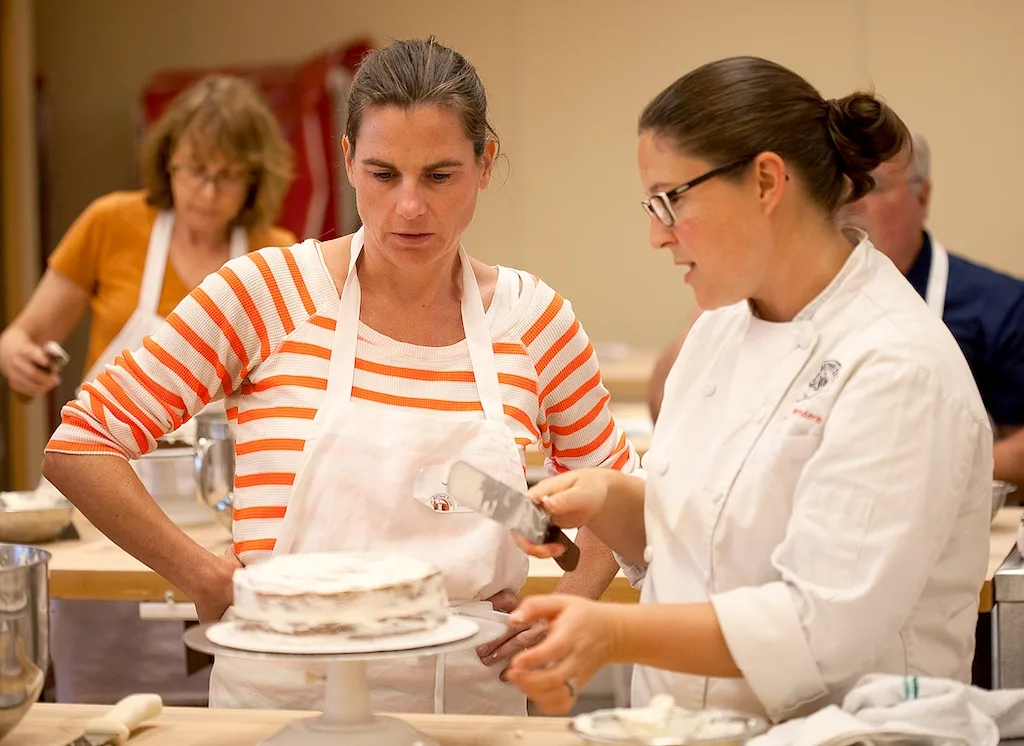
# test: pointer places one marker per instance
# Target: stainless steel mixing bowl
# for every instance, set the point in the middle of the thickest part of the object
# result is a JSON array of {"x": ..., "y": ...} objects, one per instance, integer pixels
[
  {"x": 24, "y": 630},
  {"x": 31, "y": 525},
  {"x": 214, "y": 466}
]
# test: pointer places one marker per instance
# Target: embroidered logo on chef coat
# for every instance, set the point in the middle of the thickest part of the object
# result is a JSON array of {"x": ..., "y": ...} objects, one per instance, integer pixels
[{"x": 828, "y": 373}]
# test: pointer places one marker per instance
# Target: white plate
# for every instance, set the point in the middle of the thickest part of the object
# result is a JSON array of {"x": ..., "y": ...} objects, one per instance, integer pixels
[
  {"x": 679, "y": 728},
  {"x": 231, "y": 635}
]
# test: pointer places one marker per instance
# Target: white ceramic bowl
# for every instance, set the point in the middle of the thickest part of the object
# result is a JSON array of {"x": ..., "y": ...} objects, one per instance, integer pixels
[{"x": 684, "y": 728}]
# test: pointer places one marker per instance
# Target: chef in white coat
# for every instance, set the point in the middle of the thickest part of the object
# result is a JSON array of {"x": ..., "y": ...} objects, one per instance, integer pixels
[{"x": 818, "y": 491}]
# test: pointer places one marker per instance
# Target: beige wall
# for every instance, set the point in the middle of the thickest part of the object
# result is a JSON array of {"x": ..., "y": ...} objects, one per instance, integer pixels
[
  {"x": 22, "y": 429},
  {"x": 567, "y": 79}
]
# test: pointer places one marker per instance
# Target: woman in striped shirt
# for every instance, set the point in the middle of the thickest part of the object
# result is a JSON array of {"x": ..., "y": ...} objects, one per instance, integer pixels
[{"x": 354, "y": 370}]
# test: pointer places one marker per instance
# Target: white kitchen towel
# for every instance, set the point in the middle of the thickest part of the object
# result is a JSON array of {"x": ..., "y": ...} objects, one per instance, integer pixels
[{"x": 885, "y": 709}]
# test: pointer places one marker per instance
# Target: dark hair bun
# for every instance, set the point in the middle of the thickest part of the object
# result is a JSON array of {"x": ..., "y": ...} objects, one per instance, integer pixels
[{"x": 865, "y": 133}]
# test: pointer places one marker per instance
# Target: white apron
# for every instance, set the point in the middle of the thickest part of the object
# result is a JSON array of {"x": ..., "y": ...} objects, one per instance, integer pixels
[
  {"x": 938, "y": 278},
  {"x": 368, "y": 481},
  {"x": 88, "y": 636},
  {"x": 935, "y": 292},
  {"x": 145, "y": 319}
]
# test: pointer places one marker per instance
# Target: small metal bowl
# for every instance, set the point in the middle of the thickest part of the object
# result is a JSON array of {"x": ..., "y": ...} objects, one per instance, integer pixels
[
  {"x": 22, "y": 524},
  {"x": 24, "y": 630},
  {"x": 605, "y": 726},
  {"x": 1000, "y": 490}
]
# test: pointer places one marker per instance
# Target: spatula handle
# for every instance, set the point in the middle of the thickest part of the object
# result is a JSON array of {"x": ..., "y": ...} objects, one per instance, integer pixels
[{"x": 571, "y": 556}]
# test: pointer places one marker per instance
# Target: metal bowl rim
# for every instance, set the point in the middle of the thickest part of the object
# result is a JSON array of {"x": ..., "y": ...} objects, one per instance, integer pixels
[
  {"x": 65, "y": 508},
  {"x": 42, "y": 556}
]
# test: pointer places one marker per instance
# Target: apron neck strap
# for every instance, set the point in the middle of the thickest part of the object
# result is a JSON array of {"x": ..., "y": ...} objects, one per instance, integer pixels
[
  {"x": 239, "y": 242},
  {"x": 157, "y": 253},
  {"x": 346, "y": 333},
  {"x": 478, "y": 342},
  {"x": 474, "y": 321},
  {"x": 938, "y": 278}
]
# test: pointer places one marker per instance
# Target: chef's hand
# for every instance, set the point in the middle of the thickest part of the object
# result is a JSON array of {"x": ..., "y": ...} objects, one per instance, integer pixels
[
  {"x": 516, "y": 638},
  {"x": 211, "y": 602},
  {"x": 572, "y": 499},
  {"x": 24, "y": 364},
  {"x": 581, "y": 639}
]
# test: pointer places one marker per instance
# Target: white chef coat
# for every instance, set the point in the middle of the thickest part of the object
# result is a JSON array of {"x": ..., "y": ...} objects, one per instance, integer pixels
[{"x": 825, "y": 484}]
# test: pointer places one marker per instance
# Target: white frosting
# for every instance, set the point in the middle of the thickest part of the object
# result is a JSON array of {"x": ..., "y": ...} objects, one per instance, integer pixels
[
  {"x": 652, "y": 720},
  {"x": 39, "y": 499},
  {"x": 353, "y": 594},
  {"x": 661, "y": 720},
  {"x": 332, "y": 572}
]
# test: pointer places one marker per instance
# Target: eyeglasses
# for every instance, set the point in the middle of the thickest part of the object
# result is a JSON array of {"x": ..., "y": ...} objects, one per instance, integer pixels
[
  {"x": 888, "y": 184},
  {"x": 660, "y": 205},
  {"x": 224, "y": 182}
]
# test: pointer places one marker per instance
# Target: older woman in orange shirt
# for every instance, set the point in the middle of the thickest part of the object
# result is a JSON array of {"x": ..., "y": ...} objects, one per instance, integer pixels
[{"x": 216, "y": 169}]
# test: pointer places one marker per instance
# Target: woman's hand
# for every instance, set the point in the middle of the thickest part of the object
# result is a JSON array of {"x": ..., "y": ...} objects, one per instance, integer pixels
[
  {"x": 51, "y": 313},
  {"x": 516, "y": 638},
  {"x": 575, "y": 498},
  {"x": 25, "y": 364},
  {"x": 572, "y": 499},
  {"x": 215, "y": 598},
  {"x": 582, "y": 637}
]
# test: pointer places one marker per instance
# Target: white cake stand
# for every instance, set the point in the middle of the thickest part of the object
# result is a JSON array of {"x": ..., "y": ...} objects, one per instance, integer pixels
[{"x": 346, "y": 717}]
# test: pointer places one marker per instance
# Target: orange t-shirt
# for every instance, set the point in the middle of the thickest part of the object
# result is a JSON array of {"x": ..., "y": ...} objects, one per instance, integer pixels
[{"x": 104, "y": 252}]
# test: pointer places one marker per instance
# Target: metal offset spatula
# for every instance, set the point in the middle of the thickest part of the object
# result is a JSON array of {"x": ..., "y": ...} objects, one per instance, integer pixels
[
  {"x": 511, "y": 508},
  {"x": 118, "y": 724}
]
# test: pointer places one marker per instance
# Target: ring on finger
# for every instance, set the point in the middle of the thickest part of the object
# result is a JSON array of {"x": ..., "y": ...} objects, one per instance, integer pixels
[{"x": 571, "y": 685}]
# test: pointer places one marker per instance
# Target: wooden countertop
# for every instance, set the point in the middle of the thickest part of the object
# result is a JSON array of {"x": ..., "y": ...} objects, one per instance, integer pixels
[
  {"x": 94, "y": 568},
  {"x": 626, "y": 374},
  {"x": 57, "y": 725}
]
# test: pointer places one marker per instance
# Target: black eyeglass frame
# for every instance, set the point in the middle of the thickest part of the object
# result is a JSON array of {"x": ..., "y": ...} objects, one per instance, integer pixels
[{"x": 660, "y": 205}]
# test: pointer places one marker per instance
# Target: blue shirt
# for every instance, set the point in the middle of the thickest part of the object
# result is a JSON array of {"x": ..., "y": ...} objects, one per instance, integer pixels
[{"x": 985, "y": 312}]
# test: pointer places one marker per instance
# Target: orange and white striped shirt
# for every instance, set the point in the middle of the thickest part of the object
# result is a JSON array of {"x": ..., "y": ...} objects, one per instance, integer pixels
[{"x": 260, "y": 331}]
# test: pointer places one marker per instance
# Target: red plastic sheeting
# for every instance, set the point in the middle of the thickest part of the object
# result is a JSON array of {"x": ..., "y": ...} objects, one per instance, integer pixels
[{"x": 308, "y": 99}]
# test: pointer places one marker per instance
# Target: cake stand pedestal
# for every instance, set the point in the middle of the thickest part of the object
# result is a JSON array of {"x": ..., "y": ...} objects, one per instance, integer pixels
[{"x": 346, "y": 717}]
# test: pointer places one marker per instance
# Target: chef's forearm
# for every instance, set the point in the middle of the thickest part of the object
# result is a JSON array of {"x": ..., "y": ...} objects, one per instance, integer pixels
[
  {"x": 620, "y": 524},
  {"x": 683, "y": 638},
  {"x": 107, "y": 492},
  {"x": 595, "y": 570}
]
